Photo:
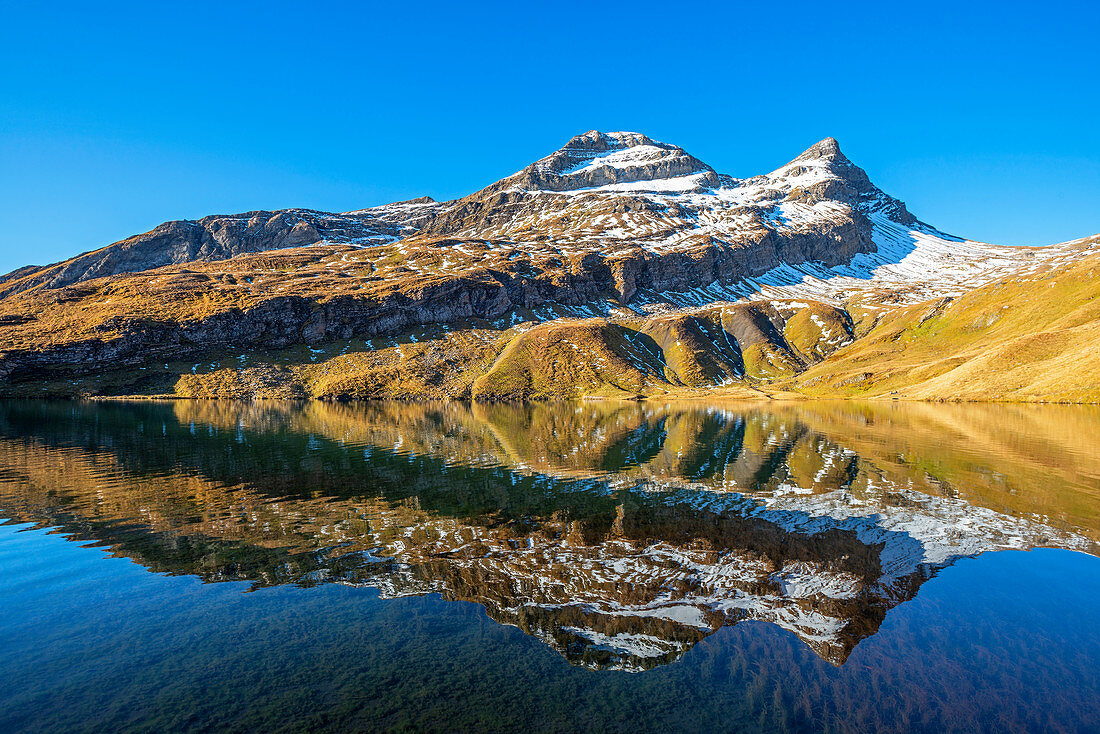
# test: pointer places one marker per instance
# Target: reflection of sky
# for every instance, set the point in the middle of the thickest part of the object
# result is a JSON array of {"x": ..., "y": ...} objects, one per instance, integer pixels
[{"x": 89, "y": 641}]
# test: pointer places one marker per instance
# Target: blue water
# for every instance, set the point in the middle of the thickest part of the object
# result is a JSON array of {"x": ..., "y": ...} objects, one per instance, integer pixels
[
  {"x": 138, "y": 594},
  {"x": 1005, "y": 641}
]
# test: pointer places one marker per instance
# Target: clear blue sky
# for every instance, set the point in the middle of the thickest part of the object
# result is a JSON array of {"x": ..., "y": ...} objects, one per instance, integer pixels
[{"x": 984, "y": 118}]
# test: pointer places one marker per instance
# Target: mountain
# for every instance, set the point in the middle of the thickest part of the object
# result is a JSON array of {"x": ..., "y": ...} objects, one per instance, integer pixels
[{"x": 616, "y": 266}]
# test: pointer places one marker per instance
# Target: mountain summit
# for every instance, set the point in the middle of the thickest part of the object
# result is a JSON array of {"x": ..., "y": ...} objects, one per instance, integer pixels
[
  {"x": 597, "y": 159},
  {"x": 827, "y": 148}
]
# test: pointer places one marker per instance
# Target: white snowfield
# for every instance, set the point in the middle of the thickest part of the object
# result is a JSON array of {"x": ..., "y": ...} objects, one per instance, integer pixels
[
  {"x": 912, "y": 264},
  {"x": 634, "y": 157}
]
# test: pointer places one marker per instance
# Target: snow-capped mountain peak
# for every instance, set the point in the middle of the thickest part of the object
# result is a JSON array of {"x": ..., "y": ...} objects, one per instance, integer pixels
[
  {"x": 608, "y": 159},
  {"x": 827, "y": 148},
  {"x": 821, "y": 162}
]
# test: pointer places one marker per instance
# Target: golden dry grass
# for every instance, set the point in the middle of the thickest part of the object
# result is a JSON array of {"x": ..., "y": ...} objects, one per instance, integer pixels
[
  {"x": 1033, "y": 338},
  {"x": 1022, "y": 339}
]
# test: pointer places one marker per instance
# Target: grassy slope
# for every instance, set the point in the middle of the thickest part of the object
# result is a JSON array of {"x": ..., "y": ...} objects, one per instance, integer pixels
[
  {"x": 1024, "y": 339},
  {"x": 571, "y": 358}
]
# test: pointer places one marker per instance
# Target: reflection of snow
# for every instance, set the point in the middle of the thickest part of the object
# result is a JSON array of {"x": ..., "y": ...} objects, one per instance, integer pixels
[{"x": 911, "y": 534}]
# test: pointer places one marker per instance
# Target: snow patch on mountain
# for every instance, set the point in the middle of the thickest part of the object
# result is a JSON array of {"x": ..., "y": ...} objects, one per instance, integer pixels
[{"x": 625, "y": 158}]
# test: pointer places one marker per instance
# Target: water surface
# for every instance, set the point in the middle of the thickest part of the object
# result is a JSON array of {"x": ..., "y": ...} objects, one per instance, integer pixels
[{"x": 603, "y": 566}]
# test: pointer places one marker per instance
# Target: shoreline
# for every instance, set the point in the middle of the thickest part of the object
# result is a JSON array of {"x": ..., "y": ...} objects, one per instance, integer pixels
[{"x": 761, "y": 397}]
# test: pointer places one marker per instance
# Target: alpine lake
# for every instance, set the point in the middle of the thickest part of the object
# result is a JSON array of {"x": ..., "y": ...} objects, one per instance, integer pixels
[{"x": 595, "y": 566}]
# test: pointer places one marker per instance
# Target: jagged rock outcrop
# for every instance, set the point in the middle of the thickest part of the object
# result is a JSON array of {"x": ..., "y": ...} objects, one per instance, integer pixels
[
  {"x": 850, "y": 183},
  {"x": 597, "y": 159}
]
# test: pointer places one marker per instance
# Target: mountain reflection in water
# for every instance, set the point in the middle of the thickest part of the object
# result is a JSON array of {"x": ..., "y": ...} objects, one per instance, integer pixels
[{"x": 621, "y": 534}]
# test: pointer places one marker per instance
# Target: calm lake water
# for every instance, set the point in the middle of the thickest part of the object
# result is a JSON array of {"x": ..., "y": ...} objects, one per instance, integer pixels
[{"x": 595, "y": 567}]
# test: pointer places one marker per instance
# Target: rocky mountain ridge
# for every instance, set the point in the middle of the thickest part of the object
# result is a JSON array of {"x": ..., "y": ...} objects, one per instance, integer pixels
[{"x": 594, "y": 166}]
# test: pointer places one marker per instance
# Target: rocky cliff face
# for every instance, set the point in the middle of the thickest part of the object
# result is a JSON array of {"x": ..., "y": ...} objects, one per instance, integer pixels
[{"x": 212, "y": 238}]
